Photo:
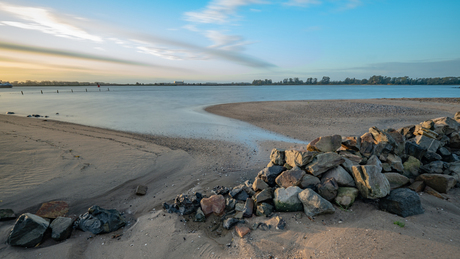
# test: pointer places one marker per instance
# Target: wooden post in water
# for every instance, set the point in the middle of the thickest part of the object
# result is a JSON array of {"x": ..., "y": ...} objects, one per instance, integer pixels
[
  {"x": 22, "y": 93},
  {"x": 108, "y": 89},
  {"x": 87, "y": 89},
  {"x": 71, "y": 90},
  {"x": 57, "y": 91},
  {"x": 41, "y": 91}
]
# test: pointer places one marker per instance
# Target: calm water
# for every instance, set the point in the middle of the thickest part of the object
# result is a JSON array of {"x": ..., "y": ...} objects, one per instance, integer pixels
[{"x": 178, "y": 110}]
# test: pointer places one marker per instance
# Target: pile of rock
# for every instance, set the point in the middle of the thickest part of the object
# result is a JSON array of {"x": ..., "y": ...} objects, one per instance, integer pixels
[
  {"x": 390, "y": 166},
  {"x": 29, "y": 229}
]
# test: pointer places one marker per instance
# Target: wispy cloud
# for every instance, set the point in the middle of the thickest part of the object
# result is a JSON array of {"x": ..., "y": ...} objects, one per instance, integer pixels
[
  {"x": 303, "y": 3},
  {"x": 43, "y": 20},
  {"x": 343, "y": 4},
  {"x": 218, "y": 11},
  {"x": 226, "y": 42}
]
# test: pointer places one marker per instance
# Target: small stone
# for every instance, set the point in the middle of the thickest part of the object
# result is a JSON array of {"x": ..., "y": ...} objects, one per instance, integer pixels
[
  {"x": 61, "y": 228},
  {"x": 230, "y": 222},
  {"x": 264, "y": 209},
  {"x": 346, "y": 196},
  {"x": 242, "y": 231},
  {"x": 291, "y": 177},
  {"x": 411, "y": 167},
  {"x": 230, "y": 204},
  {"x": 248, "y": 208},
  {"x": 264, "y": 195},
  {"x": 269, "y": 174},
  {"x": 259, "y": 185},
  {"x": 328, "y": 188},
  {"x": 396, "y": 180},
  {"x": 220, "y": 190},
  {"x": 277, "y": 156},
  {"x": 214, "y": 204},
  {"x": 199, "y": 216},
  {"x": 141, "y": 190},
  {"x": 314, "y": 204}
]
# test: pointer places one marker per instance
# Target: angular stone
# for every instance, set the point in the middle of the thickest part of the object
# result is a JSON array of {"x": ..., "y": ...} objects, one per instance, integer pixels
[
  {"x": 367, "y": 144},
  {"x": 427, "y": 133},
  {"x": 53, "y": 209},
  {"x": 395, "y": 162},
  {"x": 199, "y": 216},
  {"x": 396, "y": 180},
  {"x": 325, "y": 144},
  {"x": 265, "y": 195},
  {"x": 411, "y": 167},
  {"x": 354, "y": 157},
  {"x": 328, "y": 188},
  {"x": 239, "y": 206},
  {"x": 346, "y": 196},
  {"x": 427, "y": 124},
  {"x": 381, "y": 136},
  {"x": 351, "y": 143},
  {"x": 415, "y": 150},
  {"x": 440, "y": 182},
  {"x": 286, "y": 199},
  {"x": 433, "y": 192},
  {"x": 264, "y": 209},
  {"x": 400, "y": 141},
  {"x": 431, "y": 145},
  {"x": 436, "y": 167},
  {"x": 28, "y": 231},
  {"x": 269, "y": 174},
  {"x": 141, "y": 190},
  {"x": 342, "y": 177},
  {"x": 371, "y": 183},
  {"x": 259, "y": 185},
  {"x": 98, "y": 220},
  {"x": 324, "y": 162},
  {"x": 430, "y": 157},
  {"x": 230, "y": 222},
  {"x": 242, "y": 231},
  {"x": 454, "y": 140},
  {"x": 61, "y": 228},
  {"x": 417, "y": 186},
  {"x": 314, "y": 204},
  {"x": 348, "y": 164},
  {"x": 407, "y": 132},
  {"x": 185, "y": 205},
  {"x": 214, "y": 204},
  {"x": 299, "y": 158},
  {"x": 291, "y": 177},
  {"x": 454, "y": 167},
  {"x": 386, "y": 167},
  {"x": 309, "y": 181},
  {"x": 373, "y": 160},
  {"x": 238, "y": 193},
  {"x": 248, "y": 208},
  {"x": 277, "y": 156},
  {"x": 448, "y": 125},
  {"x": 403, "y": 202},
  {"x": 7, "y": 214}
]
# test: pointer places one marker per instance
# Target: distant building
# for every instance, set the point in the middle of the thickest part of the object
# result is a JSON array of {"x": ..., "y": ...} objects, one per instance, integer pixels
[
  {"x": 211, "y": 83},
  {"x": 179, "y": 82}
]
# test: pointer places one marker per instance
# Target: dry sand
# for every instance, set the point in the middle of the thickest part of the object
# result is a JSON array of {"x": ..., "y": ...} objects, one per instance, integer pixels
[{"x": 44, "y": 160}]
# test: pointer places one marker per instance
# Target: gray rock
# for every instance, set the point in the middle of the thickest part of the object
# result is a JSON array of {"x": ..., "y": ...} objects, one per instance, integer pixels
[
  {"x": 436, "y": 167},
  {"x": 314, "y": 204},
  {"x": 277, "y": 156},
  {"x": 323, "y": 162},
  {"x": 342, "y": 177},
  {"x": 454, "y": 167},
  {"x": 248, "y": 208},
  {"x": 259, "y": 185},
  {"x": 7, "y": 214},
  {"x": 230, "y": 222},
  {"x": 239, "y": 206},
  {"x": 415, "y": 150},
  {"x": 385, "y": 143},
  {"x": 265, "y": 195},
  {"x": 291, "y": 177},
  {"x": 309, "y": 181},
  {"x": 411, "y": 167},
  {"x": 269, "y": 174},
  {"x": 28, "y": 231},
  {"x": 346, "y": 196},
  {"x": 354, "y": 157},
  {"x": 454, "y": 140},
  {"x": 325, "y": 144},
  {"x": 395, "y": 162},
  {"x": 98, "y": 220},
  {"x": 351, "y": 143},
  {"x": 61, "y": 228},
  {"x": 431, "y": 145},
  {"x": 439, "y": 182},
  {"x": 220, "y": 190},
  {"x": 400, "y": 141},
  {"x": 328, "y": 188},
  {"x": 299, "y": 158},
  {"x": 286, "y": 199},
  {"x": 230, "y": 204},
  {"x": 371, "y": 183},
  {"x": 407, "y": 132},
  {"x": 199, "y": 216},
  {"x": 430, "y": 157},
  {"x": 374, "y": 160},
  {"x": 348, "y": 164},
  {"x": 264, "y": 209},
  {"x": 447, "y": 125},
  {"x": 403, "y": 202},
  {"x": 367, "y": 144},
  {"x": 396, "y": 180},
  {"x": 238, "y": 193}
]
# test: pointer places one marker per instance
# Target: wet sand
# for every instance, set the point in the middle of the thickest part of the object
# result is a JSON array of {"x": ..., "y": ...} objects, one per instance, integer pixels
[{"x": 43, "y": 160}]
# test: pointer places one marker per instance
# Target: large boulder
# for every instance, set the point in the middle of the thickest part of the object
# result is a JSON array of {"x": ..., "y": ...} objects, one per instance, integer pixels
[
  {"x": 342, "y": 177},
  {"x": 264, "y": 195},
  {"x": 269, "y": 174},
  {"x": 214, "y": 204},
  {"x": 396, "y": 180},
  {"x": 328, "y": 188},
  {"x": 299, "y": 158},
  {"x": 98, "y": 220},
  {"x": 309, "y": 181},
  {"x": 371, "y": 183},
  {"x": 61, "y": 228},
  {"x": 439, "y": 182},
  {"x": 28, "y": 231},
  {"x": 291, "y": 177},
  {"x": 325, "y": 144},
  {"x": 411, "y": 167},
  {"x": 415, "y": 150},
  {"x": 277, "y": 156},
  {"x": 427, "y": 143},
  {"x": 395, "y": 162},
  {"x": 286, "y": 199},
  {"x": 403, "y": 202},
  {"x": 314, "y": 204},
  {"x": 323, "y": 162},
  {"x": 346, "y": 196}
]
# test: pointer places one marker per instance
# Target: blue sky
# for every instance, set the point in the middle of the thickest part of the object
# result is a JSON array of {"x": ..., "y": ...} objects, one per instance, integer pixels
[{"x": 227, "y": 40}]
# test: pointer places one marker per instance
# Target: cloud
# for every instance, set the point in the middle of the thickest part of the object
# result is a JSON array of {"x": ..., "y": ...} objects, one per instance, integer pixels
[
  {"x": 171, "y": 54},
  {"x": 344, "y": 4},
  {"x": 45, "y": 21},
  {"x": 302, "y": 3},
  {"x": 218, "y": 11},
  {"x": 226, "y": 42}
]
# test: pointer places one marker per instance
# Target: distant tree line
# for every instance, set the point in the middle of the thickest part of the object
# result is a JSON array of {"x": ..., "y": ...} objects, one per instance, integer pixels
[{"x": 373, "y": 80}]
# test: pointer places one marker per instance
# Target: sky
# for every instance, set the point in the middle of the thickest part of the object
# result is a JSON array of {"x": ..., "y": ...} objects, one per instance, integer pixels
[{"x": 151, "y": 41}]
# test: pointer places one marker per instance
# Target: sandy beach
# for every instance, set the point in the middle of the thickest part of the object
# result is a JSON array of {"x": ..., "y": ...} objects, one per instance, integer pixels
[{"x": 43, "y": 160}]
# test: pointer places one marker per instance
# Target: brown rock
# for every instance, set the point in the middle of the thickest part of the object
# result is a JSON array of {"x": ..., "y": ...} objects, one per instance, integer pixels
[
  {"x": 53, "y": 209},
  {"x": 417, "y": 186},
  {"x": 242, "y": 230},
  {"x": 141, "y": 190},
  {"x": 439, "y": 182},
  {"x": 215, "y": 203},
  {"x": 292, "y": 177},
  {"x": 325, "y": 144},
  {"x": 433, "y": 192}
]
